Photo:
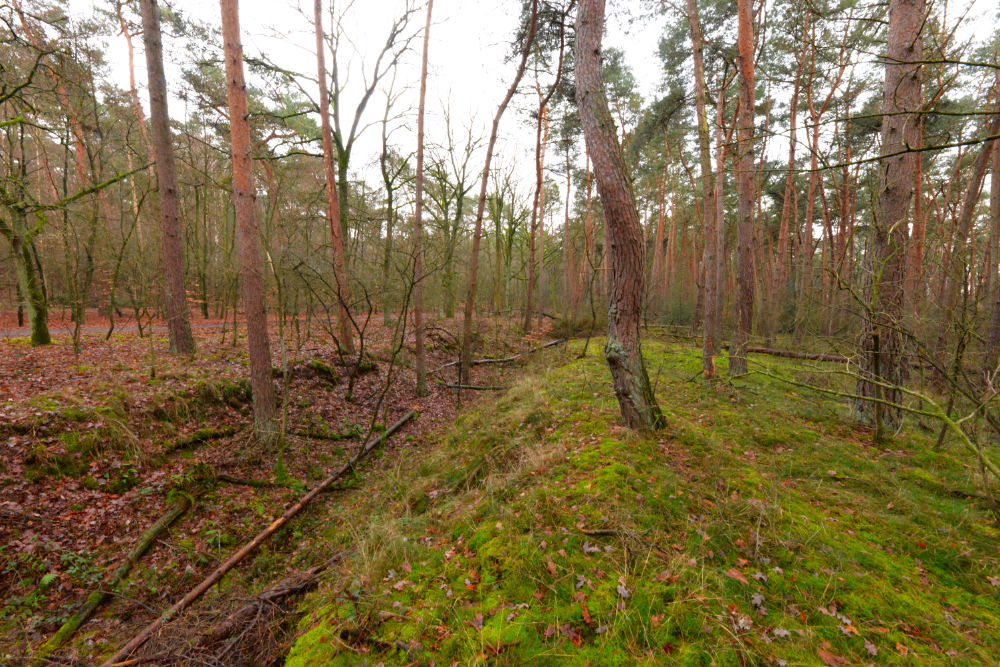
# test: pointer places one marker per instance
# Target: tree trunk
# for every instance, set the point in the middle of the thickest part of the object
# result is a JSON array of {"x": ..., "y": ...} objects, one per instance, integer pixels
[
  {"x": 28, "y": 282},
  {"x": 174, "y": 292},
  {"x": 708, "y": 215},
  {"x": 745, "y": 191},
  {"x": 993, "y": 338},
  {"x": 624, "y": 236},
  {"x": 246, "y": 221},
  {"x": 344, "y": 325},
  {"x": 962, "y": 256},
  {"x": 477, "y": 233},
  {"x": 418, "y": 224},
  {"x": 882, "y": 353}
]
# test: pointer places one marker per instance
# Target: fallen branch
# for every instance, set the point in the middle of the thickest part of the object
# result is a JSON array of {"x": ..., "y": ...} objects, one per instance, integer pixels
[
  {"x": 790, "y": 354},
  {"x": 287, "y": 588},
  {"x": 473, "y": 387},
  {"x": 505, "y": 360},
  {"x": 95, "y": 599},
  {"x": 250, "y": 546}
]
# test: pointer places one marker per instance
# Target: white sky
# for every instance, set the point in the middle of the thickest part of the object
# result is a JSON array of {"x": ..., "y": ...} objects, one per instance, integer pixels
[{"x": 469, "y": 43}]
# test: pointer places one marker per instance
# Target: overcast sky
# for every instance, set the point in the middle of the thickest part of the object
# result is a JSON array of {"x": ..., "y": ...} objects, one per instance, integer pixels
[
  {"x": 470, "y": 40},
  {"x": 468, "y": 71}
]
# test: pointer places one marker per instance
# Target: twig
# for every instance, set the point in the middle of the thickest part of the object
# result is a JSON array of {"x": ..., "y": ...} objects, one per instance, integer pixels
[
  {"x": 249, "y": 547},
  {"x": 95, "y": 599},
  {"x": 505, "y": 360},
  {"x": 473, "y": 387}
]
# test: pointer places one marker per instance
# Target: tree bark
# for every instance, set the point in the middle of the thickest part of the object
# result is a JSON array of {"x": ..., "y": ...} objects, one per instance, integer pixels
[
  {"x": 418, "y": 258},
  {"x": 174, "y": 292},
  {"x": 625, "y": 249},
  {"x": 246, "y": 221},
  {"x": 538, "y": 206},
  {"x": 745, "y": 179},
  {"x": 993, "y": 337},
  {"x": 886, "y": 262},
  {"x": 962, "y": 257},
  {"x": 477, "y": 233},
  {"x": 332, "y": 202},
  {"x": 709, "y": 299}
]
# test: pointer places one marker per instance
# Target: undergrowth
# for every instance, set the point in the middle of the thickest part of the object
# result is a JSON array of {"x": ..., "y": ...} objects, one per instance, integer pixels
[{"x": 760, "y": 527}]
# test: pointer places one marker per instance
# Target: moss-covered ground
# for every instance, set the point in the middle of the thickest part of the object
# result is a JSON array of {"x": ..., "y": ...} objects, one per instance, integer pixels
[{"x": 760, "y": 527}]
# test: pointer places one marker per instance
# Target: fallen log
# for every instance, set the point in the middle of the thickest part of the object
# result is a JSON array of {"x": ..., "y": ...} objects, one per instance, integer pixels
[
  {"x": 504, "y": 360},
  {"x": 95, "y": 599},
  {"x": 231, "y": 562},
  {"x": 790, "y": 354}
]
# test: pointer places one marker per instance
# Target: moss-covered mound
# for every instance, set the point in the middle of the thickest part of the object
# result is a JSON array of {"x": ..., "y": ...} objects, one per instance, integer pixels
[{"x": 759, "y": 528}]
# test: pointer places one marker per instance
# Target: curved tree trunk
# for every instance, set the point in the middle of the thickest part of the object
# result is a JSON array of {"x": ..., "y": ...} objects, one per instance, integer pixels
[
  {"x": 624, "y": 237},
  {"x": 175, "y": 295},
  {"x": 246, "y": 222}
]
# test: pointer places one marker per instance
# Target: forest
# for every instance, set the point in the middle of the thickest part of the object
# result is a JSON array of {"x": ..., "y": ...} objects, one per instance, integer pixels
[{"x": 406, "y": 332}]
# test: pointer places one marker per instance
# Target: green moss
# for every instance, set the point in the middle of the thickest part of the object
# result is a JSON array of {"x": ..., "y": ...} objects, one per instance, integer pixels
[{"x": 529, "y": 510}]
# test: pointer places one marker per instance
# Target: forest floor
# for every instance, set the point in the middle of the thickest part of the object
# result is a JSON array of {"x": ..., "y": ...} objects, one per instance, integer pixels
[
  {"x": 761, "y": 526},
  {"x": 96, "y": 445}
]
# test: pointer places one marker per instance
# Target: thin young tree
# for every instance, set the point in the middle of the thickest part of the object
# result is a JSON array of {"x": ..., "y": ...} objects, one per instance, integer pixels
[
  {"x": 251, "y": 273},
  {"x": 465, "y": 364},
  {"x": 418, "y": 253},
  {"x": 745, "y": 179},
  {"x": 882, "y": 353},
  {"x": 174, "y": 292},
  {"x": 708, "y": 217},
  {"x": 332, "y": 202},
  {"x": 623, "y": 349}
]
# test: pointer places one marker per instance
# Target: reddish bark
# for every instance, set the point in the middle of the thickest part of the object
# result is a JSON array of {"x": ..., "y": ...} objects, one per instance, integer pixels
[
  {"x": 251, "y": 278},
  {"x": 745, "y": 181},
  {"x": 624, "y": 235},
  {"x": 886, "y": 261},
  {"x": 174, "y": 293}
]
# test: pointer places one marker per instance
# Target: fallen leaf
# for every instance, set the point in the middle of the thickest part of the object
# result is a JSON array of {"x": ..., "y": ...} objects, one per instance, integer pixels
[
  {"x": 733, "y": 573},
  {"x": 830, "y": 659},
  {"x": 871, "y": 648},
  {"x": 551, "y": 567}
]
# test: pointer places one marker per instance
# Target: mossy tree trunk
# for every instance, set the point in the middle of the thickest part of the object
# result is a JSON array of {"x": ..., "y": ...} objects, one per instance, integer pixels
[
  {"x": 624, "y": 235},
  {"x": 28, "y": 281}
]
